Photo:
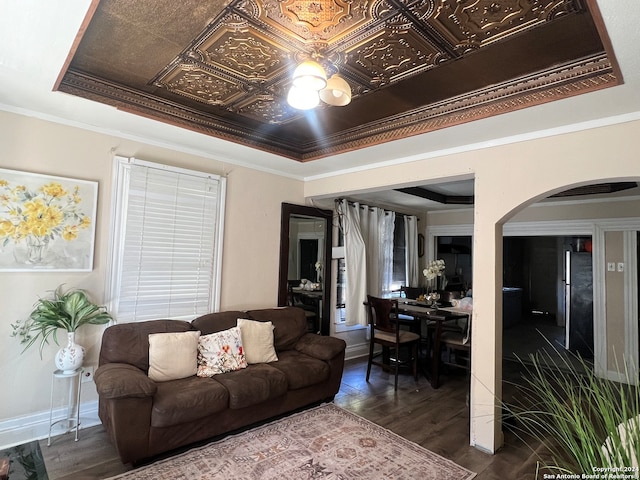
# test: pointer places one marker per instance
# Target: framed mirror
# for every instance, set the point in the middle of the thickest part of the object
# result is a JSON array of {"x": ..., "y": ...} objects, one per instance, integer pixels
[{"x": 305, "y": 260}]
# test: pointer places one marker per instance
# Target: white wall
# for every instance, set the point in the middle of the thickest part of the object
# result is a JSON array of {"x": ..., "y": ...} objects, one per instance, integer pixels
[
  {"x": 507, "y": 179},
  {"x": 250, "y": 260}
]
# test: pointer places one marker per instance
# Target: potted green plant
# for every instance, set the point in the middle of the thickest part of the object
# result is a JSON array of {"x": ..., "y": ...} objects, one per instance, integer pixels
[
  {"x": 588, "y": 425},
  {"x": 65, "y": 310}
]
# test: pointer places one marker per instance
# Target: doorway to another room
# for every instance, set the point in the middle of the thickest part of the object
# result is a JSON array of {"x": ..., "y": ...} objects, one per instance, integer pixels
[{"x": 548, "y": 297}]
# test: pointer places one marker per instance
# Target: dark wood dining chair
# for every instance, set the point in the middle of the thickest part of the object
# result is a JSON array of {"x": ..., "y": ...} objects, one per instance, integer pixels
[
  {"x": 457, "y": 346},
  {"x": 386, "y": 332}
]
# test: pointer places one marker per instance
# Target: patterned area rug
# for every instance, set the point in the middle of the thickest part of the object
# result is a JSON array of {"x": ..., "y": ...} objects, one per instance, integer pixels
[{"x": 325, "y": 442}]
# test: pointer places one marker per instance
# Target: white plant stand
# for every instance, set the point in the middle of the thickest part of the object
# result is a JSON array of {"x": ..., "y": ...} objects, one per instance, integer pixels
[{"x": 72, "y": 419}]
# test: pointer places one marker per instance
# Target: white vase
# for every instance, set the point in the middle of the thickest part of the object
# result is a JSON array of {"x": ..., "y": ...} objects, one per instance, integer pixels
[{"x": 70, "y": 357}]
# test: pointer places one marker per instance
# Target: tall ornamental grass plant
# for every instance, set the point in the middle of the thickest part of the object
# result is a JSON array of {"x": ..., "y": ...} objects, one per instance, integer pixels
[{"x": 589, "y": 425}]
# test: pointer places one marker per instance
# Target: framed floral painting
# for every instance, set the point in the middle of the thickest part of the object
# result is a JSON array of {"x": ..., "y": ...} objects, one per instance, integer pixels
[{"x": 46, "y": 223}]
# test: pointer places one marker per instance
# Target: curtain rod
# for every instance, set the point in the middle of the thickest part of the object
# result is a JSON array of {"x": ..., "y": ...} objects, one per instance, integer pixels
[{"x": 338, "y": 200}]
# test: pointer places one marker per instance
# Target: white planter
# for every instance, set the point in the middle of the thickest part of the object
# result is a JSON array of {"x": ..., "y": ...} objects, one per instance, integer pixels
[{"x": 70, "y": 357}]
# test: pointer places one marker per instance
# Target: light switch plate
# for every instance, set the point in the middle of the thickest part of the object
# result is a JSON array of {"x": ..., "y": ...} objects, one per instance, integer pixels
[
  {"x": 620, "y": 267},
  {"x": 611, "y": 267}
]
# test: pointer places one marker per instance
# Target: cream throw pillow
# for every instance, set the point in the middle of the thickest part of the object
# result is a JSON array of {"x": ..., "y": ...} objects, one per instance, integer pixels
[
  {"x": 173, "y": 355},
  {"x": 257, "y": 338}
]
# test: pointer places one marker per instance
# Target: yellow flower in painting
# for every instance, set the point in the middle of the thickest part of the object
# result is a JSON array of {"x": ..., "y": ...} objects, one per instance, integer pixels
[
  {"x": 70, "y": 232},
  {"x": 7, "y": 229},
  {"x": 32, "y": 226},
  {"x": 40, "y": 215},
  {"x": 52, "y": 216},
  {"x": 33, "y": 209},
  {"x": 85, "y": 222},
  {"x": 54, "y": 189}
]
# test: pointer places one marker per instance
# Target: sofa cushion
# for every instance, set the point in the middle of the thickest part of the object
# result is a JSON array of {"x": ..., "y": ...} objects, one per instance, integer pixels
[
  {"x": 172, "y": 355},
  {"x": 218, "y": 321},
  {"x": 257, "y": 339},
  {"x": 253, "y": 385},
  {"x": 301, "y": 370},
  {"x": 220, "y": 352},
  {"x": 129, "y": 342},
  {"x": 187, "y": 399},
  {"x": 289, "y": 324}
]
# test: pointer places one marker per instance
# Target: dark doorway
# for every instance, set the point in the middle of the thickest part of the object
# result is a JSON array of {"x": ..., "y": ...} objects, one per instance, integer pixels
[
  {"x": 547, "y": 295},
  {"x": 456, "y": 253},
  {"x": 308, "y": 258}
]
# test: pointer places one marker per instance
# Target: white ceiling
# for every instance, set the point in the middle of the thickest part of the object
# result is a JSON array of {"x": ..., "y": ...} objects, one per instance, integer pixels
[{"x": 30, "y": 64}]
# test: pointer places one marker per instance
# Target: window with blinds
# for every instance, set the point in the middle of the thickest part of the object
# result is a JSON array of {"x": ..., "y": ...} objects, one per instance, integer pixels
[{"x": 167, "y": 242}]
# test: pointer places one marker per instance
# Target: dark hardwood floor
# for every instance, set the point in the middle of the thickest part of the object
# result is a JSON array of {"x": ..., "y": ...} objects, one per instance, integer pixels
[{"x": 435, "y": 419}]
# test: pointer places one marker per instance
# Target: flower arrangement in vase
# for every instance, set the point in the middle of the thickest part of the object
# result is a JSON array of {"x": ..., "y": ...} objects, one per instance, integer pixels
[
  {"x": 66, "y": 310},
  {"x": 434, "y": 270}
]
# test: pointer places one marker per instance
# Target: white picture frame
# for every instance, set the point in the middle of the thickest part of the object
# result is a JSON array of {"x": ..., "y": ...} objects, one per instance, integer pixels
[{"x": 47, "y": 223}]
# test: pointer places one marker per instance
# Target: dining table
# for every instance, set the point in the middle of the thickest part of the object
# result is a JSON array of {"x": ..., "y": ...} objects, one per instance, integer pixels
[{"x": 415, "y": 314}]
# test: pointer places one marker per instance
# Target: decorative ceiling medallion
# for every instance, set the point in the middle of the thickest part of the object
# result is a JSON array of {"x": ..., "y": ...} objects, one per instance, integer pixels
[
  {"x": 243, "y": 53},
  {"x": 198, "y": 84},
  {"x": 322, "y": 21}
]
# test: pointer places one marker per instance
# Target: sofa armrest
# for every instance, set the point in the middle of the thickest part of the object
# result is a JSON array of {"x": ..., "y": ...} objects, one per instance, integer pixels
[
  {"x": 121, "y": 380},
  {"x": 320, "y": 347}
]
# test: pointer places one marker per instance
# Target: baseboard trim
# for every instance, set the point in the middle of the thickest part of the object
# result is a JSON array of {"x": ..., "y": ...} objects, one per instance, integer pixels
[
  {"x": 356, "y": 351},
  {"x": 19, "y": 430}
]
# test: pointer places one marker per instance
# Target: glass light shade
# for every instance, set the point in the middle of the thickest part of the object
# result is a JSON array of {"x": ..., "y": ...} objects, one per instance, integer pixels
[
  {"x": 302, "y": 99},
  {"x": 337, "y": 92},
  {"x": 310, "y": 75}
]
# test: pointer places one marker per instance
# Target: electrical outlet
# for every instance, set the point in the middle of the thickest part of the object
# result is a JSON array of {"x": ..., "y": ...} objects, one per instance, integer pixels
[
  {"x": 87, "y": 374},
  {"x": 620, "y": 267}
]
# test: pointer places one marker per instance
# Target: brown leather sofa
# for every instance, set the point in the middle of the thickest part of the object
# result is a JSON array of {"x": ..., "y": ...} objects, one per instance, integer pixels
[{"x": 144, "y": 418}]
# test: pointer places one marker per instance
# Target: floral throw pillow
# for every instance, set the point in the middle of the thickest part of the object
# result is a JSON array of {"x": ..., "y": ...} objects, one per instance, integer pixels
[{"x": 220, "y": 352}]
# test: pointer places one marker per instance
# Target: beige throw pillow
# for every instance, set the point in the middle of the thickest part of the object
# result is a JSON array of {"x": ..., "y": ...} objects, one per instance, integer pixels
[
  {"x": 257, "y": 339},
  {"x": 173, "y": 355}
]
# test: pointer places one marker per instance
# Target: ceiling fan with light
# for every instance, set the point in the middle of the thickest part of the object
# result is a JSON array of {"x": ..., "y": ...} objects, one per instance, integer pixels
[{"x": 310, "y": 85}]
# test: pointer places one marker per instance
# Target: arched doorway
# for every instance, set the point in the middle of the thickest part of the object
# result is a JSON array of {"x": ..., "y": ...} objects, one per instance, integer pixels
[{"x": 488, "y": 306}]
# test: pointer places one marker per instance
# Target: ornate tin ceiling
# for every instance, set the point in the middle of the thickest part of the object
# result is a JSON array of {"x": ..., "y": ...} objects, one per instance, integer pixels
[{"x": 224, "y": 68}]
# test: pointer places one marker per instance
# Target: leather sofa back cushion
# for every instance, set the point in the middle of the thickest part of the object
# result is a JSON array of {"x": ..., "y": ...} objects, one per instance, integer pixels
[
  {"x": 129, "y": 342},
  {"x": 217, "y": 322},
  {"x": 289, "y": 324}
]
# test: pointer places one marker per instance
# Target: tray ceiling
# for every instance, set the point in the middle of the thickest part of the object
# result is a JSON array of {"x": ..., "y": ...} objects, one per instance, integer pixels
[{"x": 224, "y": 68}]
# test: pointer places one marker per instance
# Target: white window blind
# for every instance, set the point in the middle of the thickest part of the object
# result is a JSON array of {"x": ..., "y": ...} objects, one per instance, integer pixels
[{"x": 167, "y": 242}]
